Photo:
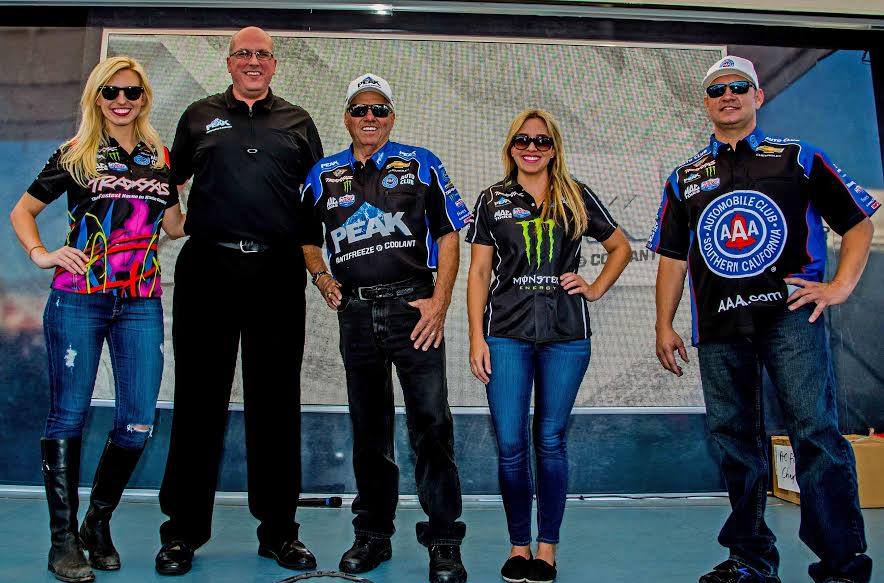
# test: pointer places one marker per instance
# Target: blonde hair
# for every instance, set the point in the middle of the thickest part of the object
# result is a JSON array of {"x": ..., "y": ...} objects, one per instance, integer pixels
[
  {"x": 564, "y": 192},
  {"x": 79, "y": 153}
]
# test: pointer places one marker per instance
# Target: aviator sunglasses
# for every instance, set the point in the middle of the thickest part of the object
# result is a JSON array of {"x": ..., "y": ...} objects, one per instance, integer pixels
[
  {"x": 542, "y": 143},
  {"x": 361, "y": 110},
  {"x": 737, "y": 88},
  {"x": 110, "y": 92}
]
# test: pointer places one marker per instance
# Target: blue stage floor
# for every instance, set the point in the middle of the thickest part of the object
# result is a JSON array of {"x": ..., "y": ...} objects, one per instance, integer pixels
[{"x": 602, "y": 541}]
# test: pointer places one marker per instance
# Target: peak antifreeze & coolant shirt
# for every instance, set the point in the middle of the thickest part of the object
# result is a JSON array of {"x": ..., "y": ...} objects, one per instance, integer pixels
[
  {"x": 525, "y": 300},
  {"x": 745, "y": 219},
  {"x": 115, "y": 219},
  {"x": 382, "y": 218}
]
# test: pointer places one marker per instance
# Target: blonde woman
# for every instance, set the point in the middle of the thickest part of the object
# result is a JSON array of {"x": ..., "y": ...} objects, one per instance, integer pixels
[
  {"x": 106, "y": 286},
  {"x": 531, "y": 327}
]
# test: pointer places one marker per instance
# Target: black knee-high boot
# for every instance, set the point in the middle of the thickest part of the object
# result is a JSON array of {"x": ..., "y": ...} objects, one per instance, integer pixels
[
  {"x": 61, "y": 475},
  {"x": 113, "y": 473}
]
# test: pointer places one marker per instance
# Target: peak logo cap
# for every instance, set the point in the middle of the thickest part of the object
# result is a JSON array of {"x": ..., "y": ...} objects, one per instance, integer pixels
[
  {"x": 369, "y": 82},
  {"x": 731, "y": 65}
]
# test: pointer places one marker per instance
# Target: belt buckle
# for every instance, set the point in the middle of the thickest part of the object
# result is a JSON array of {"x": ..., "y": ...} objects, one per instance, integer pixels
[
  {"x": 359, "y": 293},
  {"x": 243, "y": 244}
]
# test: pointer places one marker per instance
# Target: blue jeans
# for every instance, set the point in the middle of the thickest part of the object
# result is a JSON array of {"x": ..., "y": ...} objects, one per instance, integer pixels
[
  {"x": 796, "y": 356},
  {"x": 556, "y": 370},
  {"x": 76, "y": 326}
]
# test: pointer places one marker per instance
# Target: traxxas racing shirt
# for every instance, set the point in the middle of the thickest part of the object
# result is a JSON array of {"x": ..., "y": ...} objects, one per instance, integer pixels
[
  {"x": 115, "y": 219},
  {"x": 745, "y": 219},
  {"x": 248, "y": 165},
  {"x": 382, "y": 218},
  {"x": 525, "y": 300}
]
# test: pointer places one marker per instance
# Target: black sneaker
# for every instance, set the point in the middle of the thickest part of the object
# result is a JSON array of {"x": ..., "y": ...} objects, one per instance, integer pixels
[
  {"x": 731, "y": 571},
  {"x": 365, "y": 554},
  {"x": 540, "y": 572},
  {"x": 446, "y": 565},
  {"x": 515, "y": 569}
]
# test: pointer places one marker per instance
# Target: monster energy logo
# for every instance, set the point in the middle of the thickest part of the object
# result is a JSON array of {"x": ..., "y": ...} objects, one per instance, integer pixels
[
  {"x": 114, "y": 155},
  {"x": 348, "y": 185},
  {"x": 535, "y": 228},
  {"x": 710, "y": 171}
]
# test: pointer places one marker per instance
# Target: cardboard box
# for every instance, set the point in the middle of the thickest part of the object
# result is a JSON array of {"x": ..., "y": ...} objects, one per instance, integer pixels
[{"x": 869, "y": 452}]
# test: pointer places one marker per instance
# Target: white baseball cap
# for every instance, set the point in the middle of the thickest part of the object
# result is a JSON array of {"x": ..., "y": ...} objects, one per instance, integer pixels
[
  {"x": 731, "y": 65},
  {"x": 368, "y": 82}
]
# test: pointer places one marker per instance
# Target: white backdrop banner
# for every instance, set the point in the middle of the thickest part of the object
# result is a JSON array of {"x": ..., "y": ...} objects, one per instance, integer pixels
[{"x": 629, "y": 114}]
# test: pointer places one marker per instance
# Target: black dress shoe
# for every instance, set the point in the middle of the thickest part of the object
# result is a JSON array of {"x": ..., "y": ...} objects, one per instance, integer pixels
[
  {"x": 291, "y": 554},
  {"x": 175, "y": 558},
  {"x": 732, "y": 571},
  {"x": 365, "y": 554},
  {"x": 446, "y": 565},
  {"x": 540, "y": 572},
  {"x": 515, "y": 569}
]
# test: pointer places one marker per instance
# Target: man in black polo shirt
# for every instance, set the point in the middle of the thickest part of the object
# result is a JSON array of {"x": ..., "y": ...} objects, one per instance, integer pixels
[
  {"x": 743, "y": 218},
  {"x": 391, "y": 217},
  {"x": 239, "y": 281}
]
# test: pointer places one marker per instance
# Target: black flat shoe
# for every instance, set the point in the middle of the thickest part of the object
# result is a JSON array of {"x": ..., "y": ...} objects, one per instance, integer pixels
[
  {"x": 515, "y": 569},
  {"x": 291, "y": 554},
  {"x": 365, "y": 554},
  {"x": 540, "y": 572},
  {"x": 175, "y": 558}
]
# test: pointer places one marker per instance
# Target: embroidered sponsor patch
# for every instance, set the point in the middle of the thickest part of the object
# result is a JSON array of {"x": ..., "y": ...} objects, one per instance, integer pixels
[{"x": 741, "y": 234}]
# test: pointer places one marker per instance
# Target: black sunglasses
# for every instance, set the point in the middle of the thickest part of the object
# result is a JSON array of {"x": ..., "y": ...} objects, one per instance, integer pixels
[
  {"x": 737, "y": 88},
  {"x": 542, "y": 143},
  {"x": 246, "y": 55},
  {"x": 361, "y": 110},
  {"x": 110, "y": 92}
]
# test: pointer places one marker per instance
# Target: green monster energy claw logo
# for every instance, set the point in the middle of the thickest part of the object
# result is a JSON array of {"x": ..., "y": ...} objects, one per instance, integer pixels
[
  {"x": 710, "y": 171},
  {"x": 348, "y": 185},
  {"x": 538, "y": 233},
  {"x": 114, "y": 155}
]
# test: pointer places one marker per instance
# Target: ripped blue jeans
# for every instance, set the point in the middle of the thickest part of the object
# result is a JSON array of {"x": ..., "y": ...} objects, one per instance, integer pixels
[{"x": 76, "y": 327}]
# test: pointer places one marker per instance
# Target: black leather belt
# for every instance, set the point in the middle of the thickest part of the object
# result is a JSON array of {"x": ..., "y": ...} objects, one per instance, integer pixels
[
  {"x": 244, "y": 246},
  {"x": 389, "y": 291}
]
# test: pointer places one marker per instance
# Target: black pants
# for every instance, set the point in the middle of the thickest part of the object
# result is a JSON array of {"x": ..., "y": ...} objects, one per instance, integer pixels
[
  {"x": 224, "y": 297},
  {"x": 374, "y": 335}
]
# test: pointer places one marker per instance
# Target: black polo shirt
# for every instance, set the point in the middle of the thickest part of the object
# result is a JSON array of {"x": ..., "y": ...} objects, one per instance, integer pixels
[
  {"x": 525, "y": 300},
  {"x": 382, "y": 218},
  {"x": 248, "y": 165},
  {"x": 745, "y": 219}
]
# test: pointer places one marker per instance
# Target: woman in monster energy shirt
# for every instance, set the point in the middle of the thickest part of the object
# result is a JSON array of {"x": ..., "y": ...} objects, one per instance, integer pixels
[
  {"x": 531, "y": 325},
  {"x": 106, "y": 286}
]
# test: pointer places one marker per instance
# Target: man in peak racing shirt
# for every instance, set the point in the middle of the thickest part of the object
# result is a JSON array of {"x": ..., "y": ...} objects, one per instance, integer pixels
[
  {"x": 391, "y": 217},
  {"x": 743, "y": 219}
]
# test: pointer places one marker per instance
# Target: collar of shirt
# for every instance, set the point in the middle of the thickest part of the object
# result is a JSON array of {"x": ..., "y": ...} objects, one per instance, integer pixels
[
  {"x": 388, "y": 149},
  {"x": 512, "y": 186},
  {"x": 140, "y": 147},
  {"x": 753, "y": 140},
  {"x": 233, "y": 103}
]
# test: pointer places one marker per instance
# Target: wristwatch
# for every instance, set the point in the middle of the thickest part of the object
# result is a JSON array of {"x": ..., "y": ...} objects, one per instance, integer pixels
[{"x": 315, "y": 276}]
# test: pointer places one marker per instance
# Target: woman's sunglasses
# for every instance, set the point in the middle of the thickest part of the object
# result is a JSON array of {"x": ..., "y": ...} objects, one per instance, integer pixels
[
  {"x": 737, "y": 88},
  {"x": 110, "y": 92},
  {"x": 361, "y": 110},
  {"x": 542, "y": 143}
]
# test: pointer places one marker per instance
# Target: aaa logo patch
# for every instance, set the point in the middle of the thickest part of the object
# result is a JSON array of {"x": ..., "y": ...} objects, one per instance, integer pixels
[{"x": 741, "y": 233}]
